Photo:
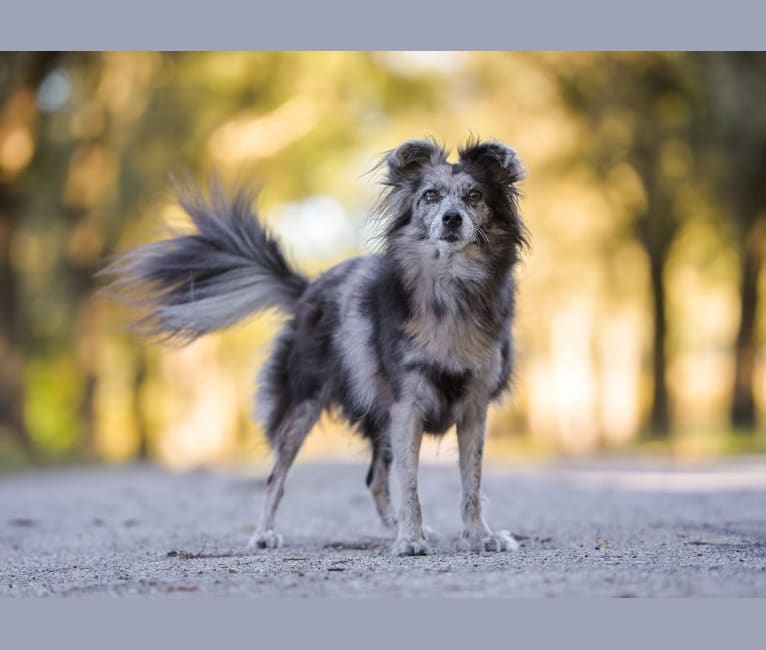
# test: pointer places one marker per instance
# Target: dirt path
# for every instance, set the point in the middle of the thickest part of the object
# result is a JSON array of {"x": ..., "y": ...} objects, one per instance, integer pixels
[{"x": 601, "y": 529}]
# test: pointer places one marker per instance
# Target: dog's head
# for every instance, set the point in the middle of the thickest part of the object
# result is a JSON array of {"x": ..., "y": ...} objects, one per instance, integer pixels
[{"x": 448, "y": 207}]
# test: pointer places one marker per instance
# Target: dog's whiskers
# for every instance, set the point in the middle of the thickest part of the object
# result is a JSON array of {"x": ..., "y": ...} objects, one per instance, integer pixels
[{"x": 481, "y": 234}]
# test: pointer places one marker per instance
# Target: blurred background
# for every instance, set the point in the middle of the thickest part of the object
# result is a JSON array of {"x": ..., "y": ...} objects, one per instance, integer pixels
[{"x": 640, "y": 322}]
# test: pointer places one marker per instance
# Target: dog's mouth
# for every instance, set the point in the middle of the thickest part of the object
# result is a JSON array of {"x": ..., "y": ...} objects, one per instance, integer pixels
[{"x": 452, "y": 242}]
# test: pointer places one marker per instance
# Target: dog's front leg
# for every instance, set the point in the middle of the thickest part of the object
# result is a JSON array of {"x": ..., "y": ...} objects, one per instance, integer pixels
[
  {"x": 406, "y": 436},
  {"x": 476, "y": 534}
]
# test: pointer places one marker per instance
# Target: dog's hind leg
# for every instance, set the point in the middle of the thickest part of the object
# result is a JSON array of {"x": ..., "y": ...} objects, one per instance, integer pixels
[
  {"x": 378, "y": 480},
  {"x": 293, "y": 430}
]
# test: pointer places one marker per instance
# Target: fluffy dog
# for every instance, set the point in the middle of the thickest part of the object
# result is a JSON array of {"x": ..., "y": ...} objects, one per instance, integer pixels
[{"x": 412, "y": 339}]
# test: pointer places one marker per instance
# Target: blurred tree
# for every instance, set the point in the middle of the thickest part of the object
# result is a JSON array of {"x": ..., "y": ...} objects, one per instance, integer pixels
[
  {"x": 736, "y": 143},
  {"x": 20, "y": 75},
  {"x": 637, "y": 110}
]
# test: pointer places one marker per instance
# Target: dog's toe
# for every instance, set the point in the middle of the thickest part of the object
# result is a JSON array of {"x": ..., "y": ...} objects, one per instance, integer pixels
[
  {"x": 430, "y": 534},
  {"x": 497, "y": 542},
  {"x": 265, "y": 539},
  {"x": 404, "y": 547}
]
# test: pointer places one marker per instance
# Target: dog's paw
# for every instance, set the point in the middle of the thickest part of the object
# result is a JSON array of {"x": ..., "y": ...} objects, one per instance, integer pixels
[
  {"x": 404, "y": 546},
  {"x": 265, "y": 539},
  {"x": 498, "y": 542},
  {"x": 429, "y": 534}
]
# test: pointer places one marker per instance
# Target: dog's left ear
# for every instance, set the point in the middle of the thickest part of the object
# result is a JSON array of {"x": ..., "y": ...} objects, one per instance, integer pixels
[{"x": 501, "y": 161}]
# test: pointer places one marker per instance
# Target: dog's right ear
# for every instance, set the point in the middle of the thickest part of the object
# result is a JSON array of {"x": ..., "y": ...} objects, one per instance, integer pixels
[{"x": 405, "y": 163}]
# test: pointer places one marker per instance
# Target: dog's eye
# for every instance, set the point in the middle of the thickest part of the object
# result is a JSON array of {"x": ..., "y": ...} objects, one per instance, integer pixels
[
  {"x": 430, "y": 196},
  {"x": 474, "y": 196}
]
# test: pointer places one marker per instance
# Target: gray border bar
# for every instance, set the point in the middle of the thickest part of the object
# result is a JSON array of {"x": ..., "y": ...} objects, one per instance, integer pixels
[
  {"x": 370, "y": 624},
  {"x": 393, "y": 24}
]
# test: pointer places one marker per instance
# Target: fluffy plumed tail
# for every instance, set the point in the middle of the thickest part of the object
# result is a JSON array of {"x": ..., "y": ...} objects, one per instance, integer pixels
[{"x": 226, "y": 268}]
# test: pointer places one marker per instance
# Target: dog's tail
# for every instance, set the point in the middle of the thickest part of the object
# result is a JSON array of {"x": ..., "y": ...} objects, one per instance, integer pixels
[{"x": 226, "y": 268}]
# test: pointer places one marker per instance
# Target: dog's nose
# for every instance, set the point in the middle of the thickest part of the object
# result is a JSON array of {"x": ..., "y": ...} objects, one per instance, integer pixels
[{"x": 452, "y": 219}]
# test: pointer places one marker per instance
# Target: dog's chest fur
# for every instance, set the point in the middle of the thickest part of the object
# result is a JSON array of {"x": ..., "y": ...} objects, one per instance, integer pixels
[
  {"x": 447, "y": 323},
  {"x": 456, "y": 331}
]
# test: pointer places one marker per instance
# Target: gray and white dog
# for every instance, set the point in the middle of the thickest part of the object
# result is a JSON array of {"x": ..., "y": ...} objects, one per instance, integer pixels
[{"x": 412, "y": 339}]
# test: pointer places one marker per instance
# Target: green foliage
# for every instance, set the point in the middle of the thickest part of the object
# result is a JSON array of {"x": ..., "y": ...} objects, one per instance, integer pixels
[{"x": 53, "y": 390}]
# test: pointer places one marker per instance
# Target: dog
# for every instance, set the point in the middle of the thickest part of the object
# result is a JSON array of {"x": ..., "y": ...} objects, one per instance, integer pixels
[{"x": 412, "y": 339}]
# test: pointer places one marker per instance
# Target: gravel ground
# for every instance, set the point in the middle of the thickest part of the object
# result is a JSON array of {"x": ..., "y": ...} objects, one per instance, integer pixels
[{"x": 608, "y": 528}]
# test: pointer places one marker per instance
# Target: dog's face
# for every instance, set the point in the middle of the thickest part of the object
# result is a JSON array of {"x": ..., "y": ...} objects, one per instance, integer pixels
[{"x": 449, "y": 207}]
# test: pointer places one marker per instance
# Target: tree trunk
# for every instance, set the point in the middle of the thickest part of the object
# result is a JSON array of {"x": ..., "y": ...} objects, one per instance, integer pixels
[
  {"x": 659, "y": 420},
  {"x": 743, "y": 403},
  {"x": 11, "y": 358},
  {"x": 19, "y": 99},
  {"x": 143, "y": 453}
]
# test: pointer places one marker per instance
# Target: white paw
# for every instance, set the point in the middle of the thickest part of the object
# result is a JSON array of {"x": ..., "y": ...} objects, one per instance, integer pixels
[
  {"x": 265, "y": 539},
  {"x": 497, "y": 542},
  {"x": 430, "y": 534},
  {"x": 500, "y": 541},
  {"x": 403, "y": 546}
]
